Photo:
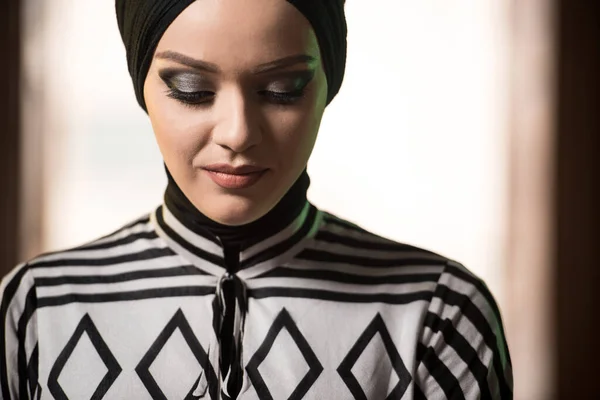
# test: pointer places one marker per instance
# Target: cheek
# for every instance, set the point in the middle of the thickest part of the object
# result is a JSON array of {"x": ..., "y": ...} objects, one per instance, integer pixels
[
  {"x": 179, "y": 131},
  {"x": 301, "y": 137},
  {"x": 295, "y": 129},
  {"x": 296, "y": 133}
]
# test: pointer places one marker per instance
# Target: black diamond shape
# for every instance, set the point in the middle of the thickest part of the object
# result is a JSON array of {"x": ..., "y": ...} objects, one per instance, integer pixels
[
  {"x": 86, "y": 325},
  {"x": 345, "y": 368},
  {"x": 284, "y": 320},
  {"x": 143, "y": 368}
]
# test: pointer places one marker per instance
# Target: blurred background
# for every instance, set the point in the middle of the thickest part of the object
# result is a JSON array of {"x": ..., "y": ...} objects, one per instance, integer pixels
[{"x": 468, "y": 127}]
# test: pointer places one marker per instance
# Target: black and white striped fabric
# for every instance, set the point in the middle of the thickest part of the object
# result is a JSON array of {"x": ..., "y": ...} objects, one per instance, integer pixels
[{"x": 323, "y": 310}]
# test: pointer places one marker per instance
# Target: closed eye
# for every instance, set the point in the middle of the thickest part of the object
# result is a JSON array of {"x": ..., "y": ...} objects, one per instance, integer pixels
[
  {"x": 283, "y": 98},
  {"x": 190, "y": 98}
]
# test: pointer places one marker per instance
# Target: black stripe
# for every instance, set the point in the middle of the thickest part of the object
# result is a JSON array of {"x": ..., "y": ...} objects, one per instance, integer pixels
[
  {"x": 115, "y": 243},
  {"x": 87, "y": 245},
  {"x": 33, "y": 366},
  {"x": 484, "y": 291},
  {"x": 462, "y": 347},
  {"x": 148, "y": 254},
  {"x": 140, "y": 221},
  {"x": 318, "y": 294},
  {"x": 386, "y": 245},
  {"x": 465, "y": 276},
  {"x": 343, "y": 277},
  {"x": 285, "y": 245},
  {"x": 440, "y": 372},
  {"x": 182, "y": 291},
  {"x": 183, "y": 270},
  {"x": 9, "y": 293},
  {"x": 474, "y": 314},
  {"x": 224, "y": 395},
  {"x": 333, "y": 220},
  {"x": 325, "y": 256},
  {"x": 418, "y": 393},
  {"x": 181, "y": 217},
  {"x": 29, "y": 309},
  {"x": 211, "y": 258}
]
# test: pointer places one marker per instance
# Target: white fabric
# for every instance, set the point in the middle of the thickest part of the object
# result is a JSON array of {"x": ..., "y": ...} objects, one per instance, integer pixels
[{"x": 336, "y": 313}]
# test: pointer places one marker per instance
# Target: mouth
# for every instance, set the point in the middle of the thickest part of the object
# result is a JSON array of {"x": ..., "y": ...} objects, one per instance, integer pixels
[{"x": 230, "y": 177}]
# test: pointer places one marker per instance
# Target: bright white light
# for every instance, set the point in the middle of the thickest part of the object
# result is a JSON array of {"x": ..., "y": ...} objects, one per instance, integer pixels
[{"x": 414, "y": 146}]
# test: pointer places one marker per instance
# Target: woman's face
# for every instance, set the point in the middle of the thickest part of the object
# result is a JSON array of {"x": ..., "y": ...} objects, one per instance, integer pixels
[{"x": 235, "y": 94}]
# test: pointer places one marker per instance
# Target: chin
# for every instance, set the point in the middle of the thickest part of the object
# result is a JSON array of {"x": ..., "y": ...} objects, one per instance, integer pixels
[{"x": 235, "y": 211}]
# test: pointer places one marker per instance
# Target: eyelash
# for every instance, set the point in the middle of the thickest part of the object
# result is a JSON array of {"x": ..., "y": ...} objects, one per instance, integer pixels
[
  {"x": 189, "y": 98},
  {"x": 197, "y": 99}
]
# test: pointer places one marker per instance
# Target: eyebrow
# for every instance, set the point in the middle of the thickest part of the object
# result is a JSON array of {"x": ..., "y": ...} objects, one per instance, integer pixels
[
  {"x": 284, "y": 63},
  {"x": 213, "y": 68}
]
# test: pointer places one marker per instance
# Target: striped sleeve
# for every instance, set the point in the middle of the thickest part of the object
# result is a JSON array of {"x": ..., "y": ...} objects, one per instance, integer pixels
[
  {"x": 462, "y": 352},
  {"x": 18, "y": 336}
]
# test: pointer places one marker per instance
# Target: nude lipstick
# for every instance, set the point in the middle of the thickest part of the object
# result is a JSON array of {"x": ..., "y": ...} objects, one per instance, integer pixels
[{"x": 230, "y": 177}]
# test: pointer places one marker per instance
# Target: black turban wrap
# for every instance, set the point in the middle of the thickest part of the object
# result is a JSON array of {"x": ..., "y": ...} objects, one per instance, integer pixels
[{"x": 143, "y": 22}]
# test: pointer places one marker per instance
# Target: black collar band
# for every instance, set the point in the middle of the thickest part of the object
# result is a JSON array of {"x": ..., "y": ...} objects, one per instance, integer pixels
[{"x": 243, "y": 236}]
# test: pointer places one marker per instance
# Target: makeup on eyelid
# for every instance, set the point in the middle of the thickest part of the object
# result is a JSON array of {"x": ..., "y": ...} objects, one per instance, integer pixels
[
  {"x": 287, "y": 83},
  {"x": 291, "y": 81},
  {"x": 184, "y": 81}
]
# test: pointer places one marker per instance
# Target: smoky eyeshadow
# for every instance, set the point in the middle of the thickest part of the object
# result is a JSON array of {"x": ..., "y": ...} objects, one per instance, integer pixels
[
  {"x": 184, "y": 81},
  {"x": 190, "y": 82},
  {"x": 292, "y": 81}
]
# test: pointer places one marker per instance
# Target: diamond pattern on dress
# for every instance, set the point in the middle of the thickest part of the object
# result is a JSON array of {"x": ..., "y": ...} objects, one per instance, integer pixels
[
  {"x": 284, "y": 321},
  {"x": 207, "y": 377},
  {"x": 86, "y": 325},
  {"x": 377, "y": 326}
]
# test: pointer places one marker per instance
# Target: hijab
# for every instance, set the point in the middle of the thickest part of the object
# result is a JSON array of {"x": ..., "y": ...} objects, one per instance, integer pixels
[{"x": 143, "y": 22}]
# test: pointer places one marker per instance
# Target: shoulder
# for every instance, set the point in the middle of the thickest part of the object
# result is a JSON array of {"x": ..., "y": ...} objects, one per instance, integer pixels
[
  {"x": 135, "y": 240},
  {"x": 136, "y": 236},
  {"x": 451, "y": 276},
  {"x": 456, "y": 294},
  {"x": 461, "y": 345},
  {"x": 460, "y": 288},
  {"x": 336, "y": 230}
]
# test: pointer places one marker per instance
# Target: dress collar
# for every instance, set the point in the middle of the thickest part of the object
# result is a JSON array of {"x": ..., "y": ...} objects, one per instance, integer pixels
[
  {"x": 258, "y": 246},
  {"x": 245, "y": 236}
]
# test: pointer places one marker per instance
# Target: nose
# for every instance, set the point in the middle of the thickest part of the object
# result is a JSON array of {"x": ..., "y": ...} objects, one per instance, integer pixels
[{"x": 238, "y": 128}]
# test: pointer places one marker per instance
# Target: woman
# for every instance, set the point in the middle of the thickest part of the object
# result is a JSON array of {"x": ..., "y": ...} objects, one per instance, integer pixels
[{"x": 237, "y": 287}]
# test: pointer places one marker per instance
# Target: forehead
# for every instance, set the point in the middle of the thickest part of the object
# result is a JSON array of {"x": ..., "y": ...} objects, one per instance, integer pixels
[{"x": 239, "y": 33}]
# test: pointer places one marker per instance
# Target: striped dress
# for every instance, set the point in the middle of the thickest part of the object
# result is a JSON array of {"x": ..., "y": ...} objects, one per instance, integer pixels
[{"x": 322, "y": 309}]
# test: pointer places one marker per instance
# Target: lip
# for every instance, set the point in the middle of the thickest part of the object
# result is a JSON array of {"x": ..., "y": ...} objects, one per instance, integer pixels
[
  {"x": 230, "y": 177},
  {"x": 231, "y": 170}
]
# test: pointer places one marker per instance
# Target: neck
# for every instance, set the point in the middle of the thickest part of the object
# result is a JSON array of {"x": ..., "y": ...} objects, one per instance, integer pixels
[{"x": 242, "y": 236}]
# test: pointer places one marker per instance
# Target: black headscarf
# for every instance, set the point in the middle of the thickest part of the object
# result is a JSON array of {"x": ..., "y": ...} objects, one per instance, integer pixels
[{"x": 143, "y": 22}]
